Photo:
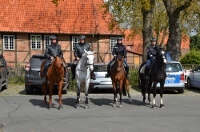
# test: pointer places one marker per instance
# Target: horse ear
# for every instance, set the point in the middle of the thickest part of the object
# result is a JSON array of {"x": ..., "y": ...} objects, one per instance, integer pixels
[{"x": 85, "y": 50}]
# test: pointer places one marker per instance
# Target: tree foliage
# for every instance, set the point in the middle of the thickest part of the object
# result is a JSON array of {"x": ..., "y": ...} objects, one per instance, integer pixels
[
  {"x": 195, "y": 42},
  {"x": 193, "y": 57}
]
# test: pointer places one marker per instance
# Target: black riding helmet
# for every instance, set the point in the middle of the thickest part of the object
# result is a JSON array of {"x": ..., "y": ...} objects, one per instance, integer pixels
[
  {"x": 119, "y": 38},
  {"x": 153, "y": 40},
  {"x": 52, "y": 37},
  {"x": 81, "y": 37}
]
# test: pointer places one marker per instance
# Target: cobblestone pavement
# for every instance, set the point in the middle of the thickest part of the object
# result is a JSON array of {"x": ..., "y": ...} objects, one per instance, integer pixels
[{"x": 18, "y": 90}]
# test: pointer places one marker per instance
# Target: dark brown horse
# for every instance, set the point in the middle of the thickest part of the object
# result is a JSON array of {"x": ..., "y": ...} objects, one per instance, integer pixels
[
  {"x": 119, "y": 80},
  {"x": 55, "y": 74}
]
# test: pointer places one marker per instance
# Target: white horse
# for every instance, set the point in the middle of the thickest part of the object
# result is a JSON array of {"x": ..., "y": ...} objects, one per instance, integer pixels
[{"x": 83, "y": 73}]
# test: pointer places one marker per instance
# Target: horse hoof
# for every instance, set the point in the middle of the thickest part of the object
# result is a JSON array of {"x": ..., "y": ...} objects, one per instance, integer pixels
[
  {"x": 77, "y": 106},
  {"x": 50, "y": 107},
  {"x": 114, "y": 105},
  {"x": 60, "y": 107},
  {"x": 154, "y": 106},
  {"x": 86, "y": 106},
  {"x": 120, "y": 106},
  {"x": 162, "y": 106}
]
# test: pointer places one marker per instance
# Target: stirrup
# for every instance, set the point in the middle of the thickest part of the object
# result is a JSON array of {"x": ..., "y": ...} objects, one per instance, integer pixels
[
  {"x": 44, "y": 80},
  {"x": 147, "y": 76}
]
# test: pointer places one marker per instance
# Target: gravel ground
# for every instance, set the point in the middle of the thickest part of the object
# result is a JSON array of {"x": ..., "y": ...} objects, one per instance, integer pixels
[{"x": 18, "y": 90}]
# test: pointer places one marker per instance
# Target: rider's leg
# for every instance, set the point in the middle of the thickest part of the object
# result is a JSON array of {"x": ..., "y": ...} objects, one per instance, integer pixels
[
  {"x": 45, "y": 69},
  {"x": 108, "y": 68},
  {"x": 73, "y": 68},
  {"x": 126, "y": 68},
  {"x": 147, "y": 68}
]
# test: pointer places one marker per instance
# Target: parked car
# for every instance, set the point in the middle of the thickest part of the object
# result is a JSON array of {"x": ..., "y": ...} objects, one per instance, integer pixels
[
  {"x": 193, "y": 78},
  {"x": 101, "y": 82},
  {"x": 175, "y": 77},
  {"x": 4, "y": 73},
  {"x": 32, "y": 75}
]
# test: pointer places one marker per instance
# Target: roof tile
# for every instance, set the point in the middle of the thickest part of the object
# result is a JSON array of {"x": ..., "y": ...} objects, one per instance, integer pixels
[{"x": 42, "y": 16}]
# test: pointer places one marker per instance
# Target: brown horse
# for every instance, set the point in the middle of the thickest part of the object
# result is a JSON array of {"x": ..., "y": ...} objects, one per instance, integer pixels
[
  {"x": 55, "y": 74},
  {"x": 119, "y": 80}
]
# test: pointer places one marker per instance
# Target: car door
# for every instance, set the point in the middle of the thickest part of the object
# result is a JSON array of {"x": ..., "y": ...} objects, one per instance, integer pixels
[{"x": 197, "y": 77}]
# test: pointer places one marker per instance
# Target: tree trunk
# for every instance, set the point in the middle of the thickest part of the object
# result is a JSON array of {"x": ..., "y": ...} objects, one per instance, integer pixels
[
  {"x": 174, "y": 40},
  {"x": 147, "y": 27}
]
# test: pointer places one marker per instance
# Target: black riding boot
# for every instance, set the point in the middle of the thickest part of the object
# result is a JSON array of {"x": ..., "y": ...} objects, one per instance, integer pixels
[
  {"x": 146, "y": 72},
  {"x": 127, "y": 72},
  {"x": 108, "y": 71},
  {"x": 44, "y": 75},
  {"x": 73, "y": 68}
]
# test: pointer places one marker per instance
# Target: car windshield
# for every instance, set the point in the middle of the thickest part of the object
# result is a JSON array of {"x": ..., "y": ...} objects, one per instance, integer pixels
[
  {"x": 100, "y": 68},
  {"x": 37, "y": 61},
  {"x": 173, "y": 67}
]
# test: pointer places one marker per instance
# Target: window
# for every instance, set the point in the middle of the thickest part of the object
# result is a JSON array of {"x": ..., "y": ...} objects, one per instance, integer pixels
[
  {"x": 113, "y": 41},
  {"x": 8, "y": 42},
  {"x": 47, "y": 41},
  {"x": 36, "y": 42},
  {"x": 74, "y": 41}
]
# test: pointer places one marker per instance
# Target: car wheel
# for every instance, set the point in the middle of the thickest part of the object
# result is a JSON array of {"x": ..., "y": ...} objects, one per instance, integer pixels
[
  {"x": 28, "y": 89},
  {"x": 180, "y": 91},
  {"x": 189, "y": 83}
]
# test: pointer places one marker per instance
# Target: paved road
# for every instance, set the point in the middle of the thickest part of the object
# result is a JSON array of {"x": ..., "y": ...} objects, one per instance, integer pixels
[{"x": 30, "y": 114}]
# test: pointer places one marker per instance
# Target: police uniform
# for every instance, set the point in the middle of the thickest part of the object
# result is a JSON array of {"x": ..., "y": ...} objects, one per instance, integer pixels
[
  {"x": 151, "y": 55},
  {"x": 78, "y": 52},
  {"x": 119, "y": 48},
  {"x": 52, "y": 50}
]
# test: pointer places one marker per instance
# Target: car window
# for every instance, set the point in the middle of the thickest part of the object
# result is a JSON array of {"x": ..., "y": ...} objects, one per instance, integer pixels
[
  {"x": 173, "y": 67},
  {"x": 198, "y": 68},
  {"x": 3, "y": 61},
  {"x": 100, "y": 68},
  {"x": 36, "y": 61}
]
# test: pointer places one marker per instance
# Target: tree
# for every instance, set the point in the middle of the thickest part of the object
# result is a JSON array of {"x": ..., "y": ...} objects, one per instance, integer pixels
[
  {"x": 173, "y": 11},
  {"x": 193, "y": 57}
]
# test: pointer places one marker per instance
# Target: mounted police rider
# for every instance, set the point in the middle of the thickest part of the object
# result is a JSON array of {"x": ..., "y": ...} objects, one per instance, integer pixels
[
  {"x": 119, "y": 48},
  {"x": 78, "y": 52},
  {"x": 151, "y": 55},
  {"x": 51, "y": 52}
]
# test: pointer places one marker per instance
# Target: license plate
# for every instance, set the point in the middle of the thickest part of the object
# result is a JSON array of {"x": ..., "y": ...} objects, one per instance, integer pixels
[{"x": 169, "y": 80}]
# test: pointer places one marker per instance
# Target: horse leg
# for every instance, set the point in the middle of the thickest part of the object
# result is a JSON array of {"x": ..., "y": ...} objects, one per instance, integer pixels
[
  {"x": 115, "y": 94},
  {"x": 120, "y": 93},
  {"x": 148, "y": 87},
  {"x": 127, "y": 86},
  {"x": 50, "y": 95},
  {"x": 154, "y": 95},
  {"x": 86, "y": 94},
  {"x": 78, "y": 96},
  {"x": 44, "y": 89},
  {"x": 60, "y": 94},
  {"x": 161, "y": 94}
]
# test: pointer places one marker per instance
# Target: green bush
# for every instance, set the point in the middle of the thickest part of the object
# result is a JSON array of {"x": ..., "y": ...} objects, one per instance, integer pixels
[
  {"x": 193, "y": 57},
  {"x": 134, "y": 77}
]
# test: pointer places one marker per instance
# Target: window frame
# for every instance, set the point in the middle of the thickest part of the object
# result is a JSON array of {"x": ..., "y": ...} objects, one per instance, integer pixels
[
  {"x": 113, "y": 41},
  {"x": 45, "y": 44},
  {"x": 9, "y": 43},
  {"x": 36, "y": 45},
  {"x": 73, "y": 42}
]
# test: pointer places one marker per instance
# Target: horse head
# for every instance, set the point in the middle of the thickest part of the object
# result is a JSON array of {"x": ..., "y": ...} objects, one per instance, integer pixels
[
  {"x": 59, "y": 67},
  {"x": 119, "y": 62},
  {"x": 89, "y": 59},
  {"x": 160, "y": 56}
]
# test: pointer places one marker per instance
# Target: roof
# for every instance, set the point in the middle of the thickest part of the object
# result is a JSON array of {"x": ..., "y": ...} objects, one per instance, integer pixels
[{"x": 42, "y": 16}]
